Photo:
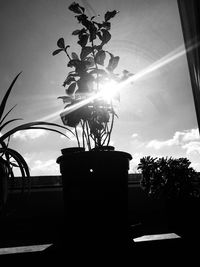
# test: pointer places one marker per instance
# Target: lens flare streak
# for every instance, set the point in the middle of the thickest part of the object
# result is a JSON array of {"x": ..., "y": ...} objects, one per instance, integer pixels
[{"x": 180, "y": 51}]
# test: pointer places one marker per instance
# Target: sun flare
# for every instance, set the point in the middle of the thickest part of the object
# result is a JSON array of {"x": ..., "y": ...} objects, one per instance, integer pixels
[{"x": 109, "y": 90}]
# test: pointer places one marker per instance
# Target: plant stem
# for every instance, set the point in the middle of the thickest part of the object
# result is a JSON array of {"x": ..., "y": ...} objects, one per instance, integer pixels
[
  {"x": 88, "y": 135},
  {"x": 111, "y": 128},
  {"x": 83, "y": 133},
  {"x": 76, "y": 132}
]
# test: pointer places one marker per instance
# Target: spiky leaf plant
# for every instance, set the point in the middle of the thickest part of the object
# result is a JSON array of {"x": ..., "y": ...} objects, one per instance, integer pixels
[{"x": 10, "y": 158}]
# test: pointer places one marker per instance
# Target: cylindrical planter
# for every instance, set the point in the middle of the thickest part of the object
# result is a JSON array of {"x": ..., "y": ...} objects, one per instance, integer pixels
[{"x": 95, "y": 188}]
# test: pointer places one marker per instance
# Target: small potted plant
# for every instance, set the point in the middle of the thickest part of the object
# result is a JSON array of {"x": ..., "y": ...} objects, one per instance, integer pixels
[
  {"x": 10, "y": 158},
  {"x": 94, "y": 174}
]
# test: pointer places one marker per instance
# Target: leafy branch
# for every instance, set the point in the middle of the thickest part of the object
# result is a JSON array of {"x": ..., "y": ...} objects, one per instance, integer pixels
[{"x": 93, "y": 66}]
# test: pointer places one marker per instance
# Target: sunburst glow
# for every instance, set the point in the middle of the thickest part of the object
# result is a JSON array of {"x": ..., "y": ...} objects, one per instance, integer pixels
[{"x": 111, "y": 88}]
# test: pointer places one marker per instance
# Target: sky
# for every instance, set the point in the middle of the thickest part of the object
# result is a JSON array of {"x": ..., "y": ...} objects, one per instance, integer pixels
[{"x": 156, "y": 114}]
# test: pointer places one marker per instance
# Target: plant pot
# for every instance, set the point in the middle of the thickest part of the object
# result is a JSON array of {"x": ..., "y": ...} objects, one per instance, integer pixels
[{"x": 95, "y": 187}]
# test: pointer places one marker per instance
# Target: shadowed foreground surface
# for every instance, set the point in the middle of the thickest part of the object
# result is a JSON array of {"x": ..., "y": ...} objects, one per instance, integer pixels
[{"x": 40, "y": 221}]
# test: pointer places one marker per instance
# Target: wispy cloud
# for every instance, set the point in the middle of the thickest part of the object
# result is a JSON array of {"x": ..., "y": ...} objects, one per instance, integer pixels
[{"x": 30, "y": 134}]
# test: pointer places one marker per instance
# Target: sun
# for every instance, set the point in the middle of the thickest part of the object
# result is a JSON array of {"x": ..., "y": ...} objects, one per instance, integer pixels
[{"x": 109, "y": 90}]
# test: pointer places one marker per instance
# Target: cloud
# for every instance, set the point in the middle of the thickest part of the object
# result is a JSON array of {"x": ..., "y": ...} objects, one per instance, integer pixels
[
  {"x": 192, "y": 147},
  {"x": 156, "y": 144},
  {"x": 179, "y": 138},
  {"x": 48, "y": 167},
  {"x": 195, "y": 166},
  {"x": 30, "y": 134},
  {"x": 134, "y": 135},
  {"x": 191, "y": 135},
  {"x": 135, "y": 161}
]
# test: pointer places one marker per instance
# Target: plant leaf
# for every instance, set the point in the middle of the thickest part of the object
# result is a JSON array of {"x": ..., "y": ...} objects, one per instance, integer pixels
[
  {"x": 7, "y": 114},
  {"x": 83, "y": 40},
  {"x": 66, "y": 99},
  {"x": 70, "y": 78},
  {"x": 71, "y": 89},
  {"x": 106, "y": 36},
  {"x": 73, "y": 63},
  {"x": 89, "y": 62},
  {"x": 100, "y": 57},
  {"x": 61, "y": 43},
  {"x": 76, "y": 8},
  {"x": 113, "y": 62},
  {"x": 34, "y": 125},
  {"x": 85, "y": 52},
  {"x": 74, "y": 55},
  {"x": 57, "y": 51},
  {"x": 4, "y": 100},
  {"x": 110, "y": 14},
  {"x": 20, "y": 161},
  {"x": 76, "y": 32},
  {"x": 7, "y": 122}
]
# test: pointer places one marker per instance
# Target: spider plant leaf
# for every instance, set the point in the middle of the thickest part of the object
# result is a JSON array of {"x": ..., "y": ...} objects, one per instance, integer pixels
[
  {"x": 21, "y": 164},
  {"x": 5, "y": 98},
  {"x": 7, "y": 122},
  {"x": 35, "y": 125},
  {"x": 19, "y": 159},
  {"x": 7, "y": 114}
]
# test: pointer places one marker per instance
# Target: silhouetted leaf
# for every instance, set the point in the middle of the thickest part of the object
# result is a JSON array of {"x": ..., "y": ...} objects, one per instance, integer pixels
[
  {"x": 71, "y": 89},
  {"x": 83, "y": 19},
  {"x": 97, "y": 47},
  {"x": 68, "y": 80},
  {"x": 73, "y": 63},
  {"x": 99, "y": 25},
  {"x": 113, "y": 62},
  {"x": 110, "y": 14},
  {"x": 106, "y": 36},
  {"x": 93, "y": 32},
  {"x": 5, "y": 98},
  {"x": 76, "y": 8},
  {"x": 74, "y": 55},
  {"x": 85, "y": 83},
  {"x": 61, "y": 43},
  {"x": 57, "y": 51},
  {"x": 83, "y": 40},
  {"x": 100, "y": 57},
  {"x": 85, "y": 51},
  {"x": 66, "y": 99},
  {"x": 89, "y": 62},
  {"x": 73, "y": 118},
  {"x": 33, "y": 125},
  {"x": 106, "y": 25},
  {"x": 76, "y": 32},
  {"x": 5, "y": 116},
  {"x": 8, "y": 122}
]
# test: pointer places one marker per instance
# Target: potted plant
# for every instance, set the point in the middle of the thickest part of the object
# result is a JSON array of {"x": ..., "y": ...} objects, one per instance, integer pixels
[
  {"x": 95, "y": 175},
  {"x": 10, "y": 158},
  {"x": 172, "y": 181}
]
